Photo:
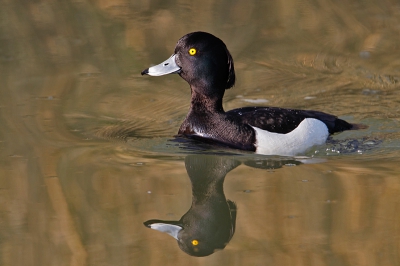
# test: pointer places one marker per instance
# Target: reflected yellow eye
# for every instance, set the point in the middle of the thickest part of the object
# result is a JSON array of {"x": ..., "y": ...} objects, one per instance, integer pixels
[
  {"x": 192, "y": 51},
  {"x": 195, "y": 242}
]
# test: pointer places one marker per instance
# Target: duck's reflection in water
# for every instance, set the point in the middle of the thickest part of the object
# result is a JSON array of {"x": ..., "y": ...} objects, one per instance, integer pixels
[{"x": 209, "y": 224}]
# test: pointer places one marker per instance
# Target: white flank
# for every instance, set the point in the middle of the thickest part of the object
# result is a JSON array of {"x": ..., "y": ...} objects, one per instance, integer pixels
[{"x": 310, "y": 132}]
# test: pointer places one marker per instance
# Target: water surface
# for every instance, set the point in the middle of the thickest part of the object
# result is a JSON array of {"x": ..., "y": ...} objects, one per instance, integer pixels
[{"x": 86, "y": 142}]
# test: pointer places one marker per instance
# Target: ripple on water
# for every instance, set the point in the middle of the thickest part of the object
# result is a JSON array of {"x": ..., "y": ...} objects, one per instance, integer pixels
[
  {"x": 351, "y": 146},
  {"x": 139, "y": 114}
]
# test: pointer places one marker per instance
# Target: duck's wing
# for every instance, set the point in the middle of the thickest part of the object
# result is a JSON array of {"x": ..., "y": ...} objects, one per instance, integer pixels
[{"x": 280, "y": 120}]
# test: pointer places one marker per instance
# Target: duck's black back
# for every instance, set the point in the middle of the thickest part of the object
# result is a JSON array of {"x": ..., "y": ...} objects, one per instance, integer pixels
[{"x": 283, "y": 121}]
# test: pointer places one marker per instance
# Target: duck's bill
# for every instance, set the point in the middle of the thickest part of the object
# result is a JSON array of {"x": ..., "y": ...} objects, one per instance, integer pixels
[
  {"x": 169, "y": 66},
  {"x": 170, "y": 227}
]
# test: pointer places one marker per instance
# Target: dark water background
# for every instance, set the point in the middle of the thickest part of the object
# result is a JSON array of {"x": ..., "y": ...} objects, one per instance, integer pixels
[{"x": 85, "y": 150}]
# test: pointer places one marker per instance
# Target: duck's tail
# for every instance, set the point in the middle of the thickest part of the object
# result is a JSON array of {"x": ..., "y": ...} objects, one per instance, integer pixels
[
  {"x": 341, "y": 125},
  {"x": 358, "y": 126}
]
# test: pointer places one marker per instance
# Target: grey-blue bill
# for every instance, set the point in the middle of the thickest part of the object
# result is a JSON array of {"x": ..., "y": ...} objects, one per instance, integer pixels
[{"x": 169, "y": 66}]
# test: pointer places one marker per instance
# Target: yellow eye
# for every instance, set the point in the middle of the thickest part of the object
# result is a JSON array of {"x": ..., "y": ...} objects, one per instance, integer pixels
[
  {"x": 195, "y": 242},
  {"x": 192, "y": 51}
]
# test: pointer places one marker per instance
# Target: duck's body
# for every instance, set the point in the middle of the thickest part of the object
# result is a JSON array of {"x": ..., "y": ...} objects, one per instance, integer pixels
[
  {"x": 205, "y": 63},
  {"x": 265, "y": 130}
]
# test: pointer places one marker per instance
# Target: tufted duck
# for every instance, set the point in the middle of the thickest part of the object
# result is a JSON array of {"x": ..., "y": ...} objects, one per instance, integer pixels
[{"x": 205, "y": 63}]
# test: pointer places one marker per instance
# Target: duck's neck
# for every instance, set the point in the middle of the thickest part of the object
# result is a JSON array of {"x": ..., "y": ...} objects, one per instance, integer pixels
[{"x": 206, "y": 103}]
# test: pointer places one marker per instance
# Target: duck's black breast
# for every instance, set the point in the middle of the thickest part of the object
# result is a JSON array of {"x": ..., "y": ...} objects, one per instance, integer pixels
[
  {"x": 219, "y": 128},
  {"x": 280, "y": 120}
]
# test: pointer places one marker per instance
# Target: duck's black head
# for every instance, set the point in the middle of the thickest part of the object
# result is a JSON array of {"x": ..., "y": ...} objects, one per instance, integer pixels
[{"x": 203, "y": 61}]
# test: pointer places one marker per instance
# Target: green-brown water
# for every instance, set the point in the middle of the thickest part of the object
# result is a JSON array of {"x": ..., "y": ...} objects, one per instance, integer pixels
[{"x": 85, "y": 142}]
